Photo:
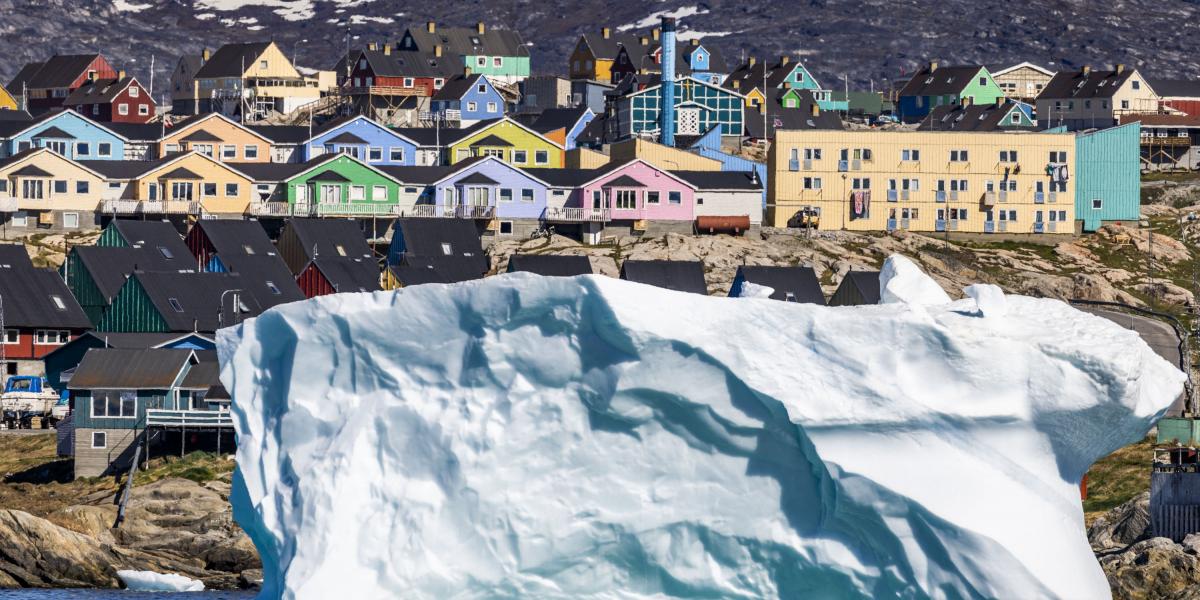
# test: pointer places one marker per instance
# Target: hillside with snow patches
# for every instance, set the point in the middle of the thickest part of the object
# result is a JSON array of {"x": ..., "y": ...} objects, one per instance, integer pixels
[{"x": 867, "y": 41}]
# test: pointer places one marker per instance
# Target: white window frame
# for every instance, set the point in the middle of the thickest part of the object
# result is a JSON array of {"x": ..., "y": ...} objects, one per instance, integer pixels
[
  {"x": 396, "y": 154},
  {"x": 68, "y": 217},
  {"x": 541, "y": 157},
  {"x": 357, "y": 193},
  {"x": 250, "y": 152},
  {"x": 228, "y": 151},
  {"x": 379, "y": 193},
  {"x": 236, "y": 189},
  {"x": 102, "y": 436},
  {"x": 42, "y": 337},
  {"x": 371, "y": 150},
  {"x": 123, "y": 109}
]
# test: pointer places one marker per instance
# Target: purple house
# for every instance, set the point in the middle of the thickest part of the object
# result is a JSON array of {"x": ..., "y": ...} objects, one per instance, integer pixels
[
  {"x": 489, "y": 188},
  {"x": 637, "y": 191}
]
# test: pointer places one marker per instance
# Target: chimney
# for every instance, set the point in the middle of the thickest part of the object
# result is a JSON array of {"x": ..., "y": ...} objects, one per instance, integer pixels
[
  {"x": 816, "y": 110},
  {"x": 645, "y": 41},
  {"x": 695, "y": 41},
  {"x": 480, "y": 29},
  {"x": 1120, "y": 69},
  {"x": 431, "y": 27},
  {"x": 606, "y": 32},
  {"x": 737, "y": 84},
  {"x": 656, "y": 33},
  {"x": 466, "y": 71},
  {"x": 1087, "y": 70},
  {"x": 204, "y": 54},
  {"x": 667, "y": 106},
  {"x": 753, "y": 60},
  {"x": 784, "y": 60},
  {"x": 1000, "y": 101},
  {"x": 437, "y": 50},
  {"x": 372, "y": 46},
  {"x": 933, "y": 66},
  {"x": 387, "y": 49},
  {"x": 967, "y": 101},
  {"x": 121, "y": 74},
  {"x": 787, "y": 85}
]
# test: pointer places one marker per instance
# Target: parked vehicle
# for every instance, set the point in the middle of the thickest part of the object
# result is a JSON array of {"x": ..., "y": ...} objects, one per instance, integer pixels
[{"x": 26, "y": 397}]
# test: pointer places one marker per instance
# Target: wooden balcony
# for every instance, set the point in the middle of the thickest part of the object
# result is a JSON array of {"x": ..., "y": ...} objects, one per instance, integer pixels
[
  {"x": 271, "y": 209},
  {"x": 189, "y": 418},
  {"x": 384, "y": 90},
  {"x": 578, "y": 215},
  {"x": 466, "y": 211},
  {"x": 1170, "y": 141},
  {"x": 355, "y": 209},
  {"x": 120, "y": 207}
]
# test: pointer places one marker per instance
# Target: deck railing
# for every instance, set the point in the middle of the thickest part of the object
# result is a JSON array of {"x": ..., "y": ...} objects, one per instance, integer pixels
[
  {"x": 271, "y": 209},
  {"x": 592, "y": 215},
  {"x": 188, "y": 418}
]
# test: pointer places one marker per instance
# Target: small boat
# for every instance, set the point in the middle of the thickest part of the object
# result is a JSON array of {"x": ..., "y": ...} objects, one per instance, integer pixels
[{"x": 28, "y": 396}]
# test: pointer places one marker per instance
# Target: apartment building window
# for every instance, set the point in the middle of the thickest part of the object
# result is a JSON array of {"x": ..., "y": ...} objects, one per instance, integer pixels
[
  {"x": 1008, "y": 156},
  {"x": 910, "y": 185},
  {"x": 910, "y": 154},
  {"x": 70, "y": 221},
  {"x": 1008, "y": 215},
  {"x": 812, "y": 154},
  {"x": 1097, "y": 204},
  {"x": 99, "y": 440},
  {"x": 812, "y": 183},
  {"x": 958, "y": 185},
  {"x": 860, "y": 183},
  {"x": 250, "y": 152},
  {"x": 1058, "y": 156},
  {"x": 958, "y": 156},
  {"x": 1008, "y": 185}
]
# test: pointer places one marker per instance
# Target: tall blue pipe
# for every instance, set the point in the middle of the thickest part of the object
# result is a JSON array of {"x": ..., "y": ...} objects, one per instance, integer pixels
[{"x": 667, "y": 106}]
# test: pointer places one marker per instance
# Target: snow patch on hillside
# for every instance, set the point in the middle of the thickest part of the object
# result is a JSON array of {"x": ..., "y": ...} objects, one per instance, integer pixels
[
  {"x": 127, "y": 6},
  {"x": 589, "y": 437},
  {"x": 655, "y": 18}
]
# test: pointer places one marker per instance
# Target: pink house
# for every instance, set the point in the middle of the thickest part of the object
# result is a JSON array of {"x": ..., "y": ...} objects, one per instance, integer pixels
[{"x": 636, "y": 190}]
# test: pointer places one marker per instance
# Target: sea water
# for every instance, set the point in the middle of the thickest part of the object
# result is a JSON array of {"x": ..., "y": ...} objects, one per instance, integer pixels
[{"x": 78, "y": 594}]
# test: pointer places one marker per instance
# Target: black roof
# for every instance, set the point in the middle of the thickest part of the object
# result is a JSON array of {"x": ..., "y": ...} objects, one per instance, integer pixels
[
  {"x": 203, "y": 375},
  {"x": 606, "y": 48},
  {"x": 271, "y": 171},
  {"x": 110, "y": 266},
  {"x": 794, "y": 284},
  {"x": 140, "y": 132},
  {"x": 8, "y": 114},
  {"x": 430, "y": 136},
  {"x": 551, "y": 265},
  {"x": 60, "y": 71},
  {"x": 198, "y": 297},
  {"x": 552, "y": 119},
  {"x": 721, "y": 180},
  {"x": 456, "y": 87},
  {"x": 970, "y": 117},
  {"x": 244, "y": 248},
  {"x": 123, "y": 169},
  {"x": 942, "y": 81},
  {"x": 801, "y": 117},
  {"x": 130, "y": 369},
  {"x": 23, "y": 76},
  {"x": 201, "y": 135},
  {"x": 31, "y": 171},
  {"x": 14, "y": 256},
  {"x": 568, "y": 177},
  {"x": 750, "y": 76},
  {"x": 624, "y": 181},
  {"x": 477, "y": 178},
  {"x": 330, "y": 238},
  {"x": 678, "y": 275},
  {"x": 116, "y": 339},
  {"x": 346, "y": 138},
  {"x": 231, "y": 60},
  {"x": 1077, "y": 84},
  {"x": 151, "y": 234},
  {"x": 406, "y": 63},
  {"x": 857, "y": 287},
  {"x": 1176, "y": 88},
  {"x": 181, "y": 173},
  {"x": 419, "y": 175},
  {"x": 433, "y": 237},
  {"x": 439, "y": 269},
  {"x": 349, "y": 274},
  {"x": 492, "y": 140},
  {"x": 39, "y": 298},
  {"x": 53, "y": 132},
  {"x": 468, "y": 41},
  {"x": 100, "y": 91},
  {"x": 281, "y": 134}
]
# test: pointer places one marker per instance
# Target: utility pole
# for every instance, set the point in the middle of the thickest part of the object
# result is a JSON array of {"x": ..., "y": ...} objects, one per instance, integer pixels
[{"x": 151, "y": 77}]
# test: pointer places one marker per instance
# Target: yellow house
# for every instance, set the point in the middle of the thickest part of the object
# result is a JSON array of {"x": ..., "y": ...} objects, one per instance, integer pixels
[
  {"x": 981, "y": 182},
  {"x": 585, "y": 158},
  {"x": 50, "y": 191},
  {"x": 7, "y": 102},
  {"x": 594, "y": 54},
  {"x": 663, "y": 157},
  {"x": 1023, "y": 81},
  {"x": 192, "y": 183},
  {"x": 218, "y": 137},
  {"x": 509, "y": 141},
  {"x": 253, "y": 79}
]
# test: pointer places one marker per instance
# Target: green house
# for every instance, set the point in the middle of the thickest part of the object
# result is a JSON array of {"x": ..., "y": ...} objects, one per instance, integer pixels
[
  {"x": 340, "y": 185},
  {"x": 1108, "y": 176},
  {"x": 500, "y": 54},
  {"x": 935, "y": 85},
  {"x": 180, "y": 302}
]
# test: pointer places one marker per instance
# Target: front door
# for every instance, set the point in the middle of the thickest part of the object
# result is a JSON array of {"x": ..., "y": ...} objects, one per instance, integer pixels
[
  {"x": 597, "y": 200},
  {"x": 689, "y": 121}
]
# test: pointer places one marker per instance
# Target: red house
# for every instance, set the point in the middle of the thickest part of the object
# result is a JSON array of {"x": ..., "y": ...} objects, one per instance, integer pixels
[
  {"x": 120, "y": 100},
  {"x": 47, "y": 85},
  {"x": 333, "y": 275},
  {"x": 386, "y": 73},
  {"x": 39, "y": 315}
]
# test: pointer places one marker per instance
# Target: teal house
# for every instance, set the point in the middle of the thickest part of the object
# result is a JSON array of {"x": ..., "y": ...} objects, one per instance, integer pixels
[
  {"x": 935, "y": 85},
  {"x": 500, "y": 54},
  {"x": 1108, "y": 176}
]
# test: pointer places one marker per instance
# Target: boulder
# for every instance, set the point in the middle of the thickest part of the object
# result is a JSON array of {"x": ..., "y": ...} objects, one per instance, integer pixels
[
  {"x": 1152, "y": 569},
  {"x": 1123, "y": 525}
]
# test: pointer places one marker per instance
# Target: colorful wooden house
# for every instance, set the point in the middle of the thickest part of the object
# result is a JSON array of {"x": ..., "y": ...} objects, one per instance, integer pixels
[
  {"x": 329, "y": 256},
  {"x": 414, "y": 238},
  {"x": 508, "y": 140},
  {"x": 1023, "y": 81},
  {"x": 935, "y": 85},
  {"x": 467, "y": 99},
  {"x": 7, "y": 101},
  {"x": 243, "y": 248},
  {"x": 561, "y": 125},
  {"x": 362, "y": 138},
  {"x": 1108, "y": 176},
  {"x": 65, "y": 132},
  {"x": 700, "y": 62},
  {"x": 340, "y": 185},
  {"x": 594, "y": 54},
  {"x": 118, "y": 100},
  {"x": 95, "y": 274},
  {"x": 51, "y": 192},
  {"x": 45, "y": 85},
  {"x": 252, "y": 79},
  {"x": 179, "y": 302},
  {"x": 636, "y": 192},
  {"x": 191, "y": 183},
  {"x": 1092, "y": 99},
  {"x": 699, "y": 106},
  {"x": 1179, "y": 95},
  {"x": 63, "y": 361},
  {"x": 501, "y": 54},
  {"x": 217, "y": 137},
  {"x": 40, "y": 314},
  {"x": 492, "y": 189},
  {"x": 748, "y": 79},
  {"x": 1002, "y": 115}
]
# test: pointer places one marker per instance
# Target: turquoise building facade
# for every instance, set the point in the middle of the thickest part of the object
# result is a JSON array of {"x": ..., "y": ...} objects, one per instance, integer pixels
[{"x": 1108, "y": 176}]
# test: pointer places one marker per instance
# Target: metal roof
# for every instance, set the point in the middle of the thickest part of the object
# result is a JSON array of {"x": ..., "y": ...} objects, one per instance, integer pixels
[
  {"x": 230, "y": 60},
  {"x": 130, "y": 369},
  {"x": 550, "y": 265},
  {"x": 793, "y": 284},
  {"x": 721, "y": 180},
  {"x": 39, "y": 298},
  {"x": 678, "y": 275}
]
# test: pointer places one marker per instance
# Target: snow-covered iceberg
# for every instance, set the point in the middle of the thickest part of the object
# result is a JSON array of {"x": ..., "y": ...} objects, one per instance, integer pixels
[
  {"x": 594, "y": 438},
  {"x": 149, "y": 581}
]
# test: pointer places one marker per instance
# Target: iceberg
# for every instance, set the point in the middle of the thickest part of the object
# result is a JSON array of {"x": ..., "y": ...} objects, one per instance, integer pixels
[
  {"x": 149, "y": 581},
  {"x": 588, "y": 437}
]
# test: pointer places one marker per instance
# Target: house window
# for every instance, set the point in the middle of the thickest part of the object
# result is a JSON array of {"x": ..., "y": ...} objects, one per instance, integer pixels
[
  {"x": 438, "y": 82},
  {"x": 52, "y": 337},
  {"x": 172, "y": 148},
  {"x": 541, "y": 157},
  {"x": 1137, "y": 85},
  {"x": 152, "y": 191},
  {"x": 11, "y": 337},
  {"x": 408, "y": 82},
  {"x": 20, "y": 219},
  {"x": 379, "y": 193},
  {"x": 983, "y": 81},
  {"x": 105, "y": 148},
  {"x": 375, "y": 154},
  {"x": 99, "y": 438},
  {"x": 250, "y": 152},
  {"x": 210, "y": 189},
  {"x": 358, "y": 192},
  {"x": 472, "y": 107},
  {"x": 506, "y": 227},
  {"x": 1125, "y": 104},
  {"x": 60, "y": 186},
  {"x": 228, "y": 152},
  {"x": 519, "y": 157},
  {"x": 626, "y": 199},
  {"x": 1097, "y": 204},
  {"x": 491, "y": 107},
  {"x": 231, "y": 190},
  {"x": 81, "y": 187},
  {"x": 33, "y": 189},
  {"x": 958, "y": 156},
  {"x": 262, "y": 64},
  {"x": 652, "y": 197},
  {"x": 396, "y": 154},
  {"x": 83, "y": 149},
  {"x": 526, "y": 195},
  {"x": 812, "y": 183},
  {"x": 122, "y": 109},
  {"x": 143, "y": 109},
  {"x": 506, "y": 195},
  {"x": 181, "y": 190},
  {"x": 114, "y": 404},
  {"x": 481, "y": 61},
  {"x": 499, "y": 62}
]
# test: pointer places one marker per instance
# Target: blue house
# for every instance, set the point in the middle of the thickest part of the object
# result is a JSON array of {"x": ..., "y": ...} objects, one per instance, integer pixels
[
  {"x": 470, "y": 98},
  {"x": 703, "y": 64},
  {"x": 61, "y": 363},
  {"x": 68, "y": 133},
  {"x": 365, "y": 139}
]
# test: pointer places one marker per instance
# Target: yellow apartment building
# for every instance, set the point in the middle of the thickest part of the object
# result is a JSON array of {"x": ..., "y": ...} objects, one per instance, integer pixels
[{"x": 980, "y": 182}]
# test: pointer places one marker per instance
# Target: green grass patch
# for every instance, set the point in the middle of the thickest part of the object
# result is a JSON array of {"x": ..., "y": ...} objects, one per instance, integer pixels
[
  {"x": 1118, "y": 477},
  {"x": 200, "y": 467}
]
